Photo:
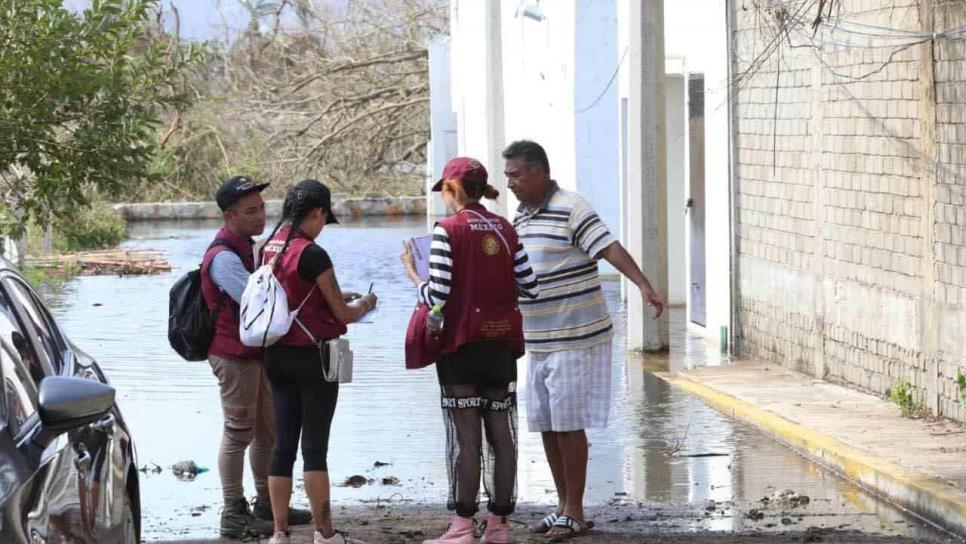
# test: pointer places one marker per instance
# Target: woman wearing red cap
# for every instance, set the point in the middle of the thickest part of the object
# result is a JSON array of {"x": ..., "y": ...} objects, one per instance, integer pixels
[{"x": 478, "y": 268}]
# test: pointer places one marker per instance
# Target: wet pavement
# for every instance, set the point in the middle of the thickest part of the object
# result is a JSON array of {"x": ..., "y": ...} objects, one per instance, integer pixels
[{"x": 664, "y": 451}]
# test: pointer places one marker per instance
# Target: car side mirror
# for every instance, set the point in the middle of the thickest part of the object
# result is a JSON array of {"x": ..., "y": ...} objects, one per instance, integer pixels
[{"x": 67, "y": 403}]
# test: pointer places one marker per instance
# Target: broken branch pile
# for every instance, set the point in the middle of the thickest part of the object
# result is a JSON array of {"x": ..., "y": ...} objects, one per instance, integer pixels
[{"x": 109, "y": 262}]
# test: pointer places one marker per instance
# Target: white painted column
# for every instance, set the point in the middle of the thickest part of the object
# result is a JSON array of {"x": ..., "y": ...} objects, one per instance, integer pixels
[
  {"x": 495, "y": 132},
  {"x": 442, "y": 144},
  {"x": 647, "y": 170}
]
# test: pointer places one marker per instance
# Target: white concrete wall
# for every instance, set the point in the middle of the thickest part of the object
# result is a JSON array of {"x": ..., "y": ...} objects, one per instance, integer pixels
[
  {"x": 539, "y": 81},
  {"x": 677, "y": 169},
  {"x": 470, "y": 84},
  {"x": 596, "y": 109},
  {"x": 697, "y": 31},
  {"x": 443, "y": 144}
]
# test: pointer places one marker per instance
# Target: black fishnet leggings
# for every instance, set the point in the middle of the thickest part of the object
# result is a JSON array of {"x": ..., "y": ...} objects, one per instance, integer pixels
[{"x": 468, "y": 456}]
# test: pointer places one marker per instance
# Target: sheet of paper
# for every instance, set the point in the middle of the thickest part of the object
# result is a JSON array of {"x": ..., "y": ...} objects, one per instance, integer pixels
[{"x": 420, "y": 247}]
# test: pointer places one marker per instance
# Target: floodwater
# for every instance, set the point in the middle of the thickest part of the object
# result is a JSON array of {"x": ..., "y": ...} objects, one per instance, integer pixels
[{"x": 663, "y": 448}]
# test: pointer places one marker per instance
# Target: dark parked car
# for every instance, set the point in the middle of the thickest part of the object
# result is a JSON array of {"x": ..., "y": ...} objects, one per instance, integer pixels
[{"x": 68, "y": 471}]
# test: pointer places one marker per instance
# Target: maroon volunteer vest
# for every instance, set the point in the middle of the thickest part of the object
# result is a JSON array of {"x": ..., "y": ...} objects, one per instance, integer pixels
[
  {"x": 482, "y": 302},
  {"x": 226, "y": 342},
  {"x": 316, "y": 315}
]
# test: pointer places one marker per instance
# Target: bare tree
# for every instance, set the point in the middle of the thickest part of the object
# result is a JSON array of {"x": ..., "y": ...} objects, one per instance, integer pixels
[{"x": 338, "y": 92}]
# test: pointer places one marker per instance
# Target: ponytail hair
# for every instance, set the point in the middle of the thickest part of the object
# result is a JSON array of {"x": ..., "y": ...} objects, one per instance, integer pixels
[
  {"x": 463, "y": 197},
  {"x": 295, "y": 209},
  {"x": 490, "y": 192}
]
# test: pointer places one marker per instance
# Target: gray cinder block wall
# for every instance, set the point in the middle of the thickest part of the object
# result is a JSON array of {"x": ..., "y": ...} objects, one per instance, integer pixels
[{"x": 850, "y": 155}]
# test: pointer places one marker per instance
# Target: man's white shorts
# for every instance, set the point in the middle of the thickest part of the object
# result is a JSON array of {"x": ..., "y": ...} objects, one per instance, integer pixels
[{"x": 569, "y": 390}]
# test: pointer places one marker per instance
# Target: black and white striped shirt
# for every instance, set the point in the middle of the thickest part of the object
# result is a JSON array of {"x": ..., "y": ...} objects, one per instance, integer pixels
[{"x": 436, "y": 290}]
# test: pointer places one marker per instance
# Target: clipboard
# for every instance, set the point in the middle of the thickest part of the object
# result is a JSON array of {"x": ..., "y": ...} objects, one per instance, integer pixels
[{"x": 420, "y": 247}]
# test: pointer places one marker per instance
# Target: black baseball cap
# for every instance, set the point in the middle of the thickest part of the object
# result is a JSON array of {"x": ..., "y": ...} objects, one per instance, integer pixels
[
  {"x": 318, "y": 194},
  {"x": 236, "y": 187}
]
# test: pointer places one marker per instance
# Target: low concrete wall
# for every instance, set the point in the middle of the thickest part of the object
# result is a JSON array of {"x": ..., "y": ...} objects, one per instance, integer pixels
[{"x": 343, "y": 207}]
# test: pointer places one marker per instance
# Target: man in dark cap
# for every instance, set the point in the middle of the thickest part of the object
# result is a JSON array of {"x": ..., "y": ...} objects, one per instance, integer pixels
[{"x": 245, "y": 395}]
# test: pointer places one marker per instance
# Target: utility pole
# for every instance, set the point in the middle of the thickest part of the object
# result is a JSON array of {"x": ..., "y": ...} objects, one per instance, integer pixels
[{"x": 647, "y": 170}]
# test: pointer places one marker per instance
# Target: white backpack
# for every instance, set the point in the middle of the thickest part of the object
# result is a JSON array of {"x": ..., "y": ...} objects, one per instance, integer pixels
[{"x": 264, "y": 317}]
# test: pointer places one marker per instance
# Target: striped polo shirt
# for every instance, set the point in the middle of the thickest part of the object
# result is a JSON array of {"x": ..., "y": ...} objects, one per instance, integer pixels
[{"x": 563, "y": 237}]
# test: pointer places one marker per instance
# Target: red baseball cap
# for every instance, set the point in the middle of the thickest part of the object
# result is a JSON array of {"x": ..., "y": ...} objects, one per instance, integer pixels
[{"x": 469, "y": 172}]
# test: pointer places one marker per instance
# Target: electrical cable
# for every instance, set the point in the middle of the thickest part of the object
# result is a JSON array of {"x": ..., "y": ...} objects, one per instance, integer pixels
[{"x": 607, "y": 87}]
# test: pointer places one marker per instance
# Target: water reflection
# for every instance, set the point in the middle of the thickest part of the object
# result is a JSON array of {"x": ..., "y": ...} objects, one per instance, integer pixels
[{"x": 390, "y": 415}]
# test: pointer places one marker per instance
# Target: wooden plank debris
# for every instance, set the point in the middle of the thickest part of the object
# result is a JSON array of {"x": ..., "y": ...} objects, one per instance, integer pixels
[{"x": 108, "y": 262}]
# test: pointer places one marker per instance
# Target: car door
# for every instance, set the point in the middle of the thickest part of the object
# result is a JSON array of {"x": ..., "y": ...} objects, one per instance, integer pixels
[
  {"x": 92, "y": 447},
  {"x": 28, "y": 510}
]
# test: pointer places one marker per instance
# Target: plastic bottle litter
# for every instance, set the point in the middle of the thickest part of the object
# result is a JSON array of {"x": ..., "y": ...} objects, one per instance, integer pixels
[{"x": 434, "y": 321}]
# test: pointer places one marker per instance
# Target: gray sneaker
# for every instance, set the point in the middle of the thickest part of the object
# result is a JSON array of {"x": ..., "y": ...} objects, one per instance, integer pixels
[{"x": 237, "y": 522}]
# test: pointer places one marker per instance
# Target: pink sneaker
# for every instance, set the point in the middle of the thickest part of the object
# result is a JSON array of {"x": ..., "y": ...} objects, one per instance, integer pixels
[
  {"x": 497, "y": 530},
  {"x": 460, "y": 532}
]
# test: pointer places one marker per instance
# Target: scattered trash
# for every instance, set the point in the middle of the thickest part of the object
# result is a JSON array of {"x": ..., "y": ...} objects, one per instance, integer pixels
[
  {"x": 355, "y": 481},
  {"x": 786, "y": 499},
  {"x": 755, "y": 515},
  {"x": 155, "y": 469},
  {"x": 390, "y": 480},
  {"x": 787, "y": 521},
  {"x": 187, "y": 470}
]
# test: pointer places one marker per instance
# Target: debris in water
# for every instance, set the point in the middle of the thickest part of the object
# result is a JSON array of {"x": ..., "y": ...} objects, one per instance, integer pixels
[
  {"x": 355, "y": 481},
  {"x": 787, "y": 521},
  {"x": 187, "y": 470},
  {"x": 156, "y": 469},
  {"x": 379, "y": 464},
  {"x": 755, "y": 514},
  {"x": 786, "y": 499},
  {"x": 390, "y": 480}
]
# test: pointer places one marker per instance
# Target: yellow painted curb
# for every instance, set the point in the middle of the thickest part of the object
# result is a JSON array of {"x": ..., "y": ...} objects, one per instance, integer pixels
[{"x": 918, "y": 492}]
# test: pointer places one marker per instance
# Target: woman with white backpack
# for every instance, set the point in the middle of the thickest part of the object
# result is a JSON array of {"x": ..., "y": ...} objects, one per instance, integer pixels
[{"x": 303, "y": 397}]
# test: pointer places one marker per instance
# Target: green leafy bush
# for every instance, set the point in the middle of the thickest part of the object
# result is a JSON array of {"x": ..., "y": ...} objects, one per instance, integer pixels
[
  {"x": 94, "y": 227},
  {"x": 902, "y": 395}
]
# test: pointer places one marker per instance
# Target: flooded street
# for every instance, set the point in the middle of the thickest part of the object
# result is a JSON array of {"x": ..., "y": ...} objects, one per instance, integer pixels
[{"x": 663, "y": 447}]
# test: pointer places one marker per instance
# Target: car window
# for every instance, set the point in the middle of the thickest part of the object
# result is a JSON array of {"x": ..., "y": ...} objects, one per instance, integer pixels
[
  {"x": 16, "y": 339},
  {"x": 39, "y": 324},
  {"x": 19, "y": 390}
]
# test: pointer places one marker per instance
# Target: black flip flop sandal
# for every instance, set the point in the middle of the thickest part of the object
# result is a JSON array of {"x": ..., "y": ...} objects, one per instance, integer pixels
[
  {"x": 545, "y": 524},
  {"x": 575, "y": 527}
]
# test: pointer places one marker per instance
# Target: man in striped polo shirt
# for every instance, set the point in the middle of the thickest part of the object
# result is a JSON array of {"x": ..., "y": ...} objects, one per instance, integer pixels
[{"x": 568, "y": 328}]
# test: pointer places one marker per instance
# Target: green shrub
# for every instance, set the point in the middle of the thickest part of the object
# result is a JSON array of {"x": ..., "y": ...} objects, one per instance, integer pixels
[
  {"x": 94, "y": 227},
  {"x": 901, "y": 394}
]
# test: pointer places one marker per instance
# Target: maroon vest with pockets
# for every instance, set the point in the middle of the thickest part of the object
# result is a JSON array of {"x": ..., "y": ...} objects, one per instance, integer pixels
[
  {"x": 316, "y": 315},
  {"x": 227, "y": 342},
  {"x": 484, "y": 288}
]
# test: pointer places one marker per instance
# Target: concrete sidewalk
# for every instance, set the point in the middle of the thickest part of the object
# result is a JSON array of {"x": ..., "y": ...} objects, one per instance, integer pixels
[{"x": 916, "y": 463}]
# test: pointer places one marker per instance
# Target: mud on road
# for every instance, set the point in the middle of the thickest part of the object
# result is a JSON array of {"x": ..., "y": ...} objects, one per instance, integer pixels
[{"x": 615, "y": 524}]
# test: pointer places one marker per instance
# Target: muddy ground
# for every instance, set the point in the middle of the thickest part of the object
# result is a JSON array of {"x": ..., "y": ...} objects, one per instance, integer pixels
[{"x": 616, "y": 523}]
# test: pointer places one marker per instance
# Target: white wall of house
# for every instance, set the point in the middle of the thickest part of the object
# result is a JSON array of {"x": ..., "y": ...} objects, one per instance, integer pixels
[
  {"x": 443, "y": 144},
  {"x": 677, "y": 175},
  {"x": 478, "y": 115},
  {"x": 555, "y": 75},
  {"x": 696, "y": 30},
  {"x": 595, "y": 112}
]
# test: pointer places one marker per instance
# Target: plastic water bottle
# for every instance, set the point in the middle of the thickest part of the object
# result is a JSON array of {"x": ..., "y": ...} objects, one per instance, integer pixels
[{"x": 434, "y": 321}]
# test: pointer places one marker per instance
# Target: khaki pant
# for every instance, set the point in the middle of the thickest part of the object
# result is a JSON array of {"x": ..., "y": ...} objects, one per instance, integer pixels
[{"x": 247, "y": 404}]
